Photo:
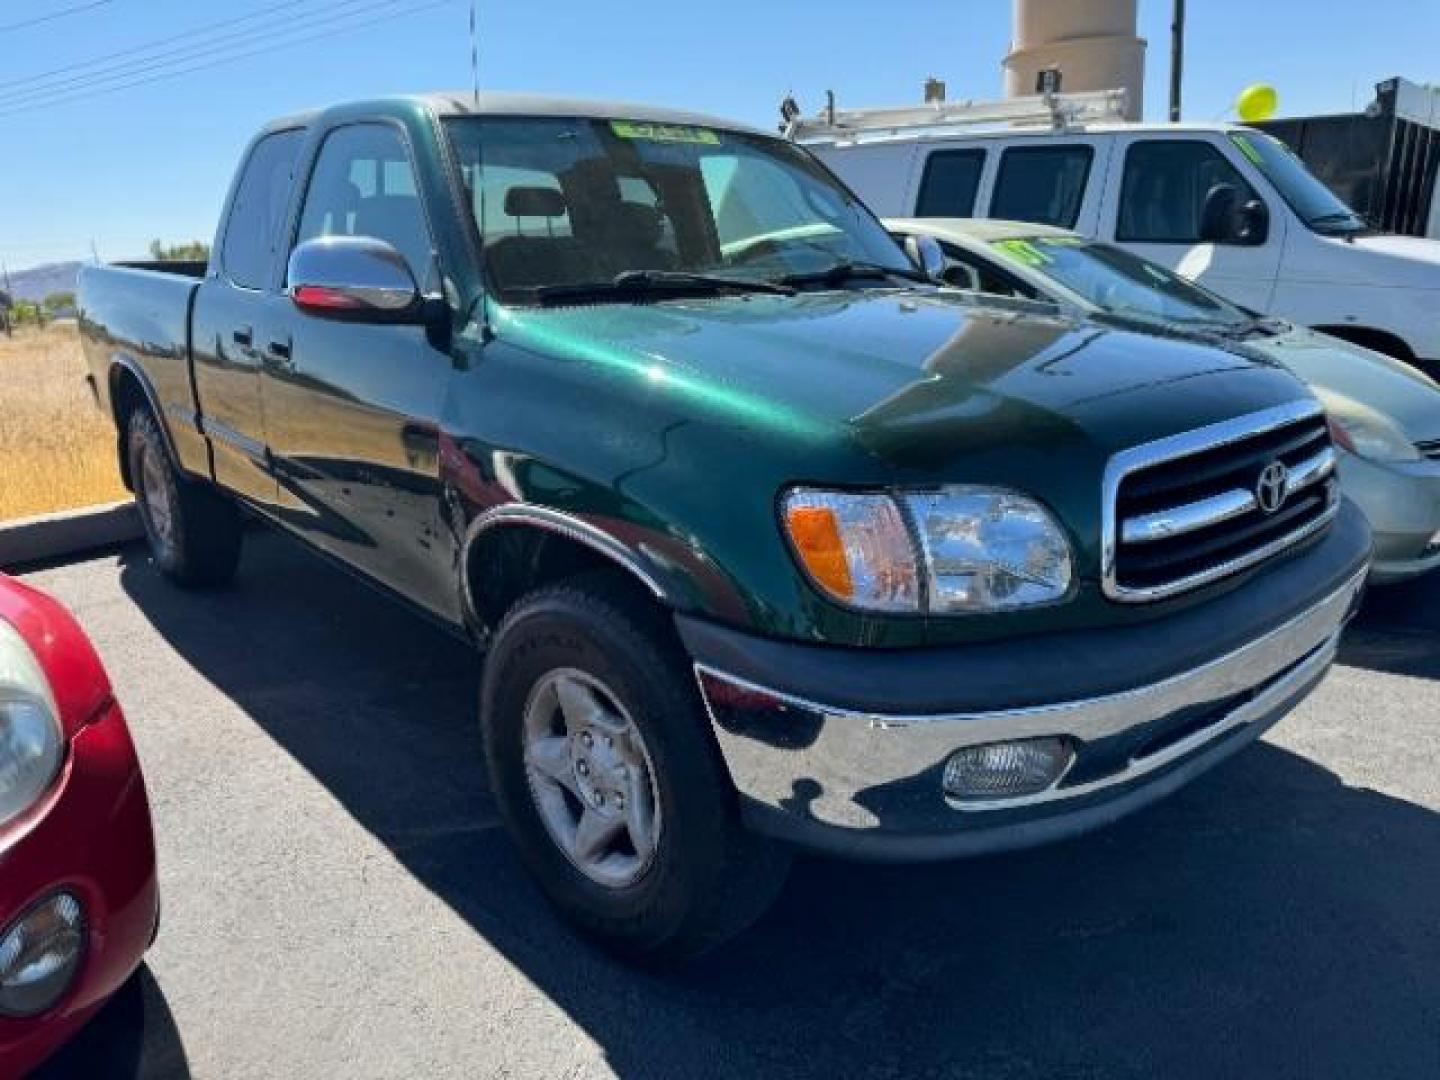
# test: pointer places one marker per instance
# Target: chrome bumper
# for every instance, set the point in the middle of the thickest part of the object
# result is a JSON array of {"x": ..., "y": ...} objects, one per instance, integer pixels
[{"x": 863, "y": 771}]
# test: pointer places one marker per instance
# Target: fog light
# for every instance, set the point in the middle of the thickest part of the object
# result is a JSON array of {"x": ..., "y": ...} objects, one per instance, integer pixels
[
  {"x": 1006, "y": 770},
  {"x": 40, "y": 954}
]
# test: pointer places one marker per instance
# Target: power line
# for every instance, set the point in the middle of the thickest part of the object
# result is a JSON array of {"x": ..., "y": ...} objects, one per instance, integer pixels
[
  {"x": 9, "y": 109},
  {"x": 52, "y": 16},
  {"x": 186, "y": 54},
  {"x": 194, "y": 32}
]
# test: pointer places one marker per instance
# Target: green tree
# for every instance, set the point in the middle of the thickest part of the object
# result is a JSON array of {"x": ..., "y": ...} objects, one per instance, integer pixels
[
  {"x": 27, "y": 312},
  {"x": 59, "y": 303},
  {"x": 190, "y": 251}
]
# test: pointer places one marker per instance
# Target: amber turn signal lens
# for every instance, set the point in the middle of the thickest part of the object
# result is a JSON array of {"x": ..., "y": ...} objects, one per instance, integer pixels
[
  {"x": 854, "y": 547},
  {"x": 816, "y": 534}
]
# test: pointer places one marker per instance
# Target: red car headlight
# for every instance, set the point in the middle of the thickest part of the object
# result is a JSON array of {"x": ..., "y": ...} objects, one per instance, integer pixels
[{"x": 31, "y": 743}]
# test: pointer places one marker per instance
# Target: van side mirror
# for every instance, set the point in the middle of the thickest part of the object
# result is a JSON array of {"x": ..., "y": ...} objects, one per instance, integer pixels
[
  {"x": 1224, "y": 219},
  {"x": 353, "y": 277},
  {"x": 1254, "y": 222},
  {"x": 925, "y": 252}
]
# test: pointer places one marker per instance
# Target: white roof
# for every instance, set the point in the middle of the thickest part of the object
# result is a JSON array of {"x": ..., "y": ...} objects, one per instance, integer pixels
[
  {"x": 960, "y": 134},
  {"x": 981, "y": 230}
]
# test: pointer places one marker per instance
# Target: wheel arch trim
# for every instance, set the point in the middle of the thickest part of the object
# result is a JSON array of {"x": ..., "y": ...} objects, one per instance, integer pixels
[
  {"x": 557, "y": 522},
  {"x": 122, "y": 364}
]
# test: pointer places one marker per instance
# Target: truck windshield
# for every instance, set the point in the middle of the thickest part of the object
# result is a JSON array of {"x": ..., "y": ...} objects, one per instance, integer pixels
[
  {"x": 567, "y": 202},
  {"x": 1122, "y": 284},
  {"x": 1315, "y": 204}
]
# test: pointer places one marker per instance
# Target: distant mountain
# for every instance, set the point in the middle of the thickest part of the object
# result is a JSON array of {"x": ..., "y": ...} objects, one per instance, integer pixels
[{"x": 40, "y": 281}]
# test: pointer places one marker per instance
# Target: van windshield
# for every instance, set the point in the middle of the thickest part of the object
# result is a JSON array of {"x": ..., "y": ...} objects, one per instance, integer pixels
[
  {"x": 1314, "y": 203},
  {"x": 1122, "y": 284},
  {"x": 569, "y": 202}
]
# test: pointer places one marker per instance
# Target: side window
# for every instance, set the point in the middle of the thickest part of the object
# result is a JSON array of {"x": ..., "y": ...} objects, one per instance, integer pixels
[
  {"x": 965, "y": 271},
  {"x": 950, "y": 183},
  {"x": 364, "y": 185},
  {"x": 252, "y": 232},
  {"x": 1163, "y": 192},
  {"x": 1044, "y": 184}
]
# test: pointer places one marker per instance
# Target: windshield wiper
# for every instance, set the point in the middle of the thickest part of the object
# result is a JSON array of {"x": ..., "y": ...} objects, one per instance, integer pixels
[
  {"x": 649, "y": 282},
  {"x": 849, "y": 270},
  {"x": 1336, "y": 222}
]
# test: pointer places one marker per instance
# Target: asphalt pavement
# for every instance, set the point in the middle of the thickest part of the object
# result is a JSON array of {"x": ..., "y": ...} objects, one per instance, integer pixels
[{"x": 340, "y": 902}]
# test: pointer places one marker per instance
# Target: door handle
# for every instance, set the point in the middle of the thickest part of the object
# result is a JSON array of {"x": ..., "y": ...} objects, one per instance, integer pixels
[
  {"x": 244, "y": 337},
  {"x": 278, "y": 354}
]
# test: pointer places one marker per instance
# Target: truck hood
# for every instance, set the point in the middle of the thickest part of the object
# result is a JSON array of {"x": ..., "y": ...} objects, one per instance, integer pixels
[
  {"x": 917, "y": 378},
  {"x": 1400, "y": 393},
  {"x": 1404, "y": 262}
]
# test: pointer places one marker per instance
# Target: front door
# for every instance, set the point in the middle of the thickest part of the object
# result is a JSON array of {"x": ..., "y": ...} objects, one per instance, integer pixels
[
  {"x": 1163, "y": 186},
  {"x": 352, "y": 408}
]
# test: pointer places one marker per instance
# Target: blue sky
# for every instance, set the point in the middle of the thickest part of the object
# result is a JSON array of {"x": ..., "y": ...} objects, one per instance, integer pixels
[{"x": 154, "y": 160}]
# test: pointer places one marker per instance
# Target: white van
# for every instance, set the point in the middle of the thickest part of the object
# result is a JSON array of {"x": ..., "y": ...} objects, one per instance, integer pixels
[{"x": 1222, "y": 204}]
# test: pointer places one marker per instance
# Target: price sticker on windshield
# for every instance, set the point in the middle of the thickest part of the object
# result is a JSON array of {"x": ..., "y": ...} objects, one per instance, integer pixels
[
  {"x": 1023, "y": 251},
  {"x": 670, "y": 133}
]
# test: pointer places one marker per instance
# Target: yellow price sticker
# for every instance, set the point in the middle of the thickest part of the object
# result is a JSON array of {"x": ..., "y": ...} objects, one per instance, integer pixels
[{"x": 646, "y": 131}]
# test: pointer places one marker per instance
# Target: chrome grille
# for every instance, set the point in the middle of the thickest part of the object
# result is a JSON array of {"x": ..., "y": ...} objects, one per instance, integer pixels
[
  {"x": 1194, "y": 508},
  {"x": 1429, "y": 449}
]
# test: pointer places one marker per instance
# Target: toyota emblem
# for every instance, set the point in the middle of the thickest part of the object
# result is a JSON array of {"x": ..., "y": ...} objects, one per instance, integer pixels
[{"x": 1272, "y": 486}]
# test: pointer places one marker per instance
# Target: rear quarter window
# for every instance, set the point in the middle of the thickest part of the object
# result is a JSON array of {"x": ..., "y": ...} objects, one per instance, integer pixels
[{"x": 252, "y": 232}]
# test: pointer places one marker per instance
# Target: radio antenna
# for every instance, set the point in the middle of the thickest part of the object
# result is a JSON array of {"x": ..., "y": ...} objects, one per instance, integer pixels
[{"x": 474, "y": 55}]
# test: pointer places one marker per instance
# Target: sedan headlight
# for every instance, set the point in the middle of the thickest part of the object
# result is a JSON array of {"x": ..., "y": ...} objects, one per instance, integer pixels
[
  {"x": 955, "y": 549},
  {"x": 31, "y": 746},
  {"x": 1365, "y": 431}
]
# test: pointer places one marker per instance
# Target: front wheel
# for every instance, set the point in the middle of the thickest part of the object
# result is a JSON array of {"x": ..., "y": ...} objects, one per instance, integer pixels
[
  {"x": 608, "y": 778},
  {"x": 194, "y": 532}
]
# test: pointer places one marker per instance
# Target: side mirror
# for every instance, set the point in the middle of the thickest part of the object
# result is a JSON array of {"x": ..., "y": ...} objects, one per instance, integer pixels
[
  {"x": 353, "y": 277},
  {"x": 1218, "y": 214},
  {"x": 962, "y": 277},
  {"x": 1254, "y": 223},
  {"x": 926, "y": 254},
  {"x": 1224, "y": 219}
]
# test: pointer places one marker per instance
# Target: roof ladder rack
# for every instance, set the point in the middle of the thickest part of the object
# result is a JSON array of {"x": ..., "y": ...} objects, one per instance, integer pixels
[{"x": 1061, "y": 112}]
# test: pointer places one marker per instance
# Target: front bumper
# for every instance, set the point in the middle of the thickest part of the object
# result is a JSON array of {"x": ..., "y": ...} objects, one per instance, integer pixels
[
  {"x": 1401, "y": 500},
  {"x": 858, "y": 779},
  {"x": 91, "y": 835}
]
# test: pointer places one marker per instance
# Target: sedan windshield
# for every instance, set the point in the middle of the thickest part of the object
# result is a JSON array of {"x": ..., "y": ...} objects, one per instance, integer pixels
[
  {"x": 1122, "y": 284},
  {"x": 570, "y": 208},
  {"x": 1315, "y": 204}
]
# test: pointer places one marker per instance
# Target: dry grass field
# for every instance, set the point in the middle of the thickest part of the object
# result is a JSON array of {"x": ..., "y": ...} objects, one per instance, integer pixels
[{"x": 57, "y": 450}]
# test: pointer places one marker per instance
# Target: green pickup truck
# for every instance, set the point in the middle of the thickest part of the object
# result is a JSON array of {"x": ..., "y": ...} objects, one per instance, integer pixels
[{"x": 770, "y": 541}]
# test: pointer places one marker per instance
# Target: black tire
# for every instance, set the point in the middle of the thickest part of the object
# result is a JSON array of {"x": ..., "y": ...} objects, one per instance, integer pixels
[
  {"x": 708, "y": 878},
  {"x": 195, "y": 535}
]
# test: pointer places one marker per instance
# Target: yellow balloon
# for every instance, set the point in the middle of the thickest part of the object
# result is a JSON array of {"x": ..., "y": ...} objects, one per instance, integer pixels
[{"x": 1257, "y": 102}]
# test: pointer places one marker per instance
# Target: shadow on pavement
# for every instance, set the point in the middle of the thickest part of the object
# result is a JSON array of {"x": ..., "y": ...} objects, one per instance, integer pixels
[
  {"x": 1267, "y": 921},
  {"x": 1396, "y": 630},
  {"x": 133, "y": 1036}
]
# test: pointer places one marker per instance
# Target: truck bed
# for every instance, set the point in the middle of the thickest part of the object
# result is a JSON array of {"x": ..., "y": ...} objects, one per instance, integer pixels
[{"x": 135, "y": 333}]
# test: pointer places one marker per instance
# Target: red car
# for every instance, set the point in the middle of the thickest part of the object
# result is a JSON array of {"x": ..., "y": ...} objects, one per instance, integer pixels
[{"x": 79, "y": 902}]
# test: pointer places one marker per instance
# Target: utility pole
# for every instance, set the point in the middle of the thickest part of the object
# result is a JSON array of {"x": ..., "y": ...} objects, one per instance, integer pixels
[{"x": 1177, "y": 58}]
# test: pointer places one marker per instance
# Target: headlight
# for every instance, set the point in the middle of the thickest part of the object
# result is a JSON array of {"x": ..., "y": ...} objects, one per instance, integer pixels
[
  {"x": 1370, "y": 435},
  {"x": 989, "y": 550},
  {"x": 956, "y": 549},
  {"x": 30, "y": 740}
]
